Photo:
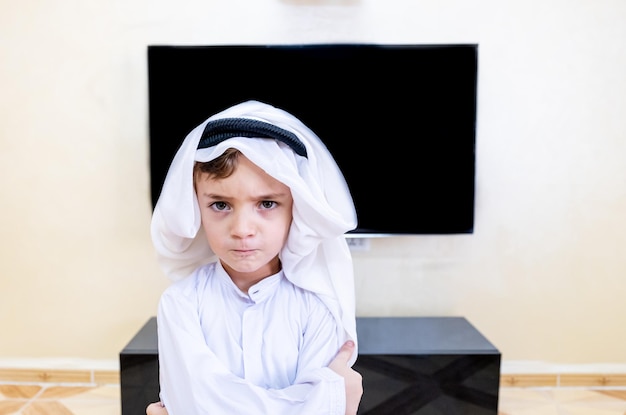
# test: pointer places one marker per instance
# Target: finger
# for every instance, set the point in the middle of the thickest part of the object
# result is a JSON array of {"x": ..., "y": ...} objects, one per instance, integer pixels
[{"x": 155, "y": 408}]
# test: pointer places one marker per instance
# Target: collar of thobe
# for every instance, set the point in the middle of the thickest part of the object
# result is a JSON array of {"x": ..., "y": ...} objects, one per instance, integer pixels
[{"x": 257, "y": 293}]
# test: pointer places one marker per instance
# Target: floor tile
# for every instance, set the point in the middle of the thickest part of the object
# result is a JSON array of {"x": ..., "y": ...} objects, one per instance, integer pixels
[
  {"x": 94, "y": 407},
  {"x": 19, "y": 391},
  {"x": 46, "y": 408},
  {"x": 10, "y": 407}
]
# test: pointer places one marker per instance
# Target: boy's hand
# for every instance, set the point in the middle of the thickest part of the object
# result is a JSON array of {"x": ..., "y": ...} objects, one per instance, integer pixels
[
  {"x": 352, "y": 378},
  {"x": 156, "y": 409}
]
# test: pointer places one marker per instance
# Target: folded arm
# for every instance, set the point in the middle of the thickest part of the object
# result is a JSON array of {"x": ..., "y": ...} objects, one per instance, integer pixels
[{"x": 194, "y": 381}]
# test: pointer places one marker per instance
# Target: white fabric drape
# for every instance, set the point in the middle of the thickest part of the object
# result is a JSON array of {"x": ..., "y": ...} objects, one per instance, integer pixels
[{"x": 316, "y": 256}]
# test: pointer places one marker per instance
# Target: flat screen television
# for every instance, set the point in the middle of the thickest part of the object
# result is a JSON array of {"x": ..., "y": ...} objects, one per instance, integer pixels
[{"x": 400, "y": 119}]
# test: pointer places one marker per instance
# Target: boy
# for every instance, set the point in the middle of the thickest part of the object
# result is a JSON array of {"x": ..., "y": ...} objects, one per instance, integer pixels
[{"x": 250, "y": 223}]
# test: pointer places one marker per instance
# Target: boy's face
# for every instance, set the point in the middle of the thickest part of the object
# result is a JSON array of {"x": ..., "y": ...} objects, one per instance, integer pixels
[{"x": 246, "y": 219}]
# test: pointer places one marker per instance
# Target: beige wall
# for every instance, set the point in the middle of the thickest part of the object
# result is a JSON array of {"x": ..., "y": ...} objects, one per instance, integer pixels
[{"x": 543, "y": 276}]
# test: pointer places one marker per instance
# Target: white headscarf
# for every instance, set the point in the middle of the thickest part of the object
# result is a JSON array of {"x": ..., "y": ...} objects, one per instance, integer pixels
[{"x": 316, "y": 256}]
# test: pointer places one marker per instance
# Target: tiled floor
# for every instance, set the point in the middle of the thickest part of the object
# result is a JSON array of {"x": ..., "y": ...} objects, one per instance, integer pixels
[
  {"x": 59, "y": 399},
  {"x": 63, "y": 399},
  {"x": 561, "y": 401}
]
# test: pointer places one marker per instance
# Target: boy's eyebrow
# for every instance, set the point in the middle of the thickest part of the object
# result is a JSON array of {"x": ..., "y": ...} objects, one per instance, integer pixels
[
  {"x": 276, "y": 195},
  {"x": 212, "y": 195},
  {"x": 267, "y": 196}
]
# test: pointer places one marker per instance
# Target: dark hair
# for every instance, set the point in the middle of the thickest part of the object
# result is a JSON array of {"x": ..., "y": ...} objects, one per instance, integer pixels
[{"x": 218, "y": 168}]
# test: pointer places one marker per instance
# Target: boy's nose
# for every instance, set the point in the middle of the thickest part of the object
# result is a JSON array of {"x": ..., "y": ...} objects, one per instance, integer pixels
[{"x": 243, "y": 224}]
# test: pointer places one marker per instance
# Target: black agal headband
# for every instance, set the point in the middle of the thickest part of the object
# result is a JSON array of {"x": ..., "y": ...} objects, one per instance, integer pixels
[{"x": 222, "y": 129}]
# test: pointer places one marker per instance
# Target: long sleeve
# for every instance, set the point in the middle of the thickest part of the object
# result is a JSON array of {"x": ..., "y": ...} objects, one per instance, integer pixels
[{"x": 195, "y": 382}]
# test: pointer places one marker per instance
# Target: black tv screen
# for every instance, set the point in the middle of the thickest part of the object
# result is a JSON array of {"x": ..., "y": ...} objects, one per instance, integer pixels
[{"x": 399, "y": 119}]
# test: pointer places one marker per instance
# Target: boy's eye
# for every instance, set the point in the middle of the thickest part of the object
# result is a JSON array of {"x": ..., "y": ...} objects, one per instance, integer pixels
[
  {"x": 268, "y": 204},
  {"x": 219, "y": 206}
]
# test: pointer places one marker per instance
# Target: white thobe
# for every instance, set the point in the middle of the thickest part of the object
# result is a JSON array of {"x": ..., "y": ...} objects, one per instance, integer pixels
[{"x": 223, "y": 351}]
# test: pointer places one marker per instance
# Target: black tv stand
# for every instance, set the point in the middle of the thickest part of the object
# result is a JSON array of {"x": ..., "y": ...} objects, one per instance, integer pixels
[{"x": 410, "y": 365}]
